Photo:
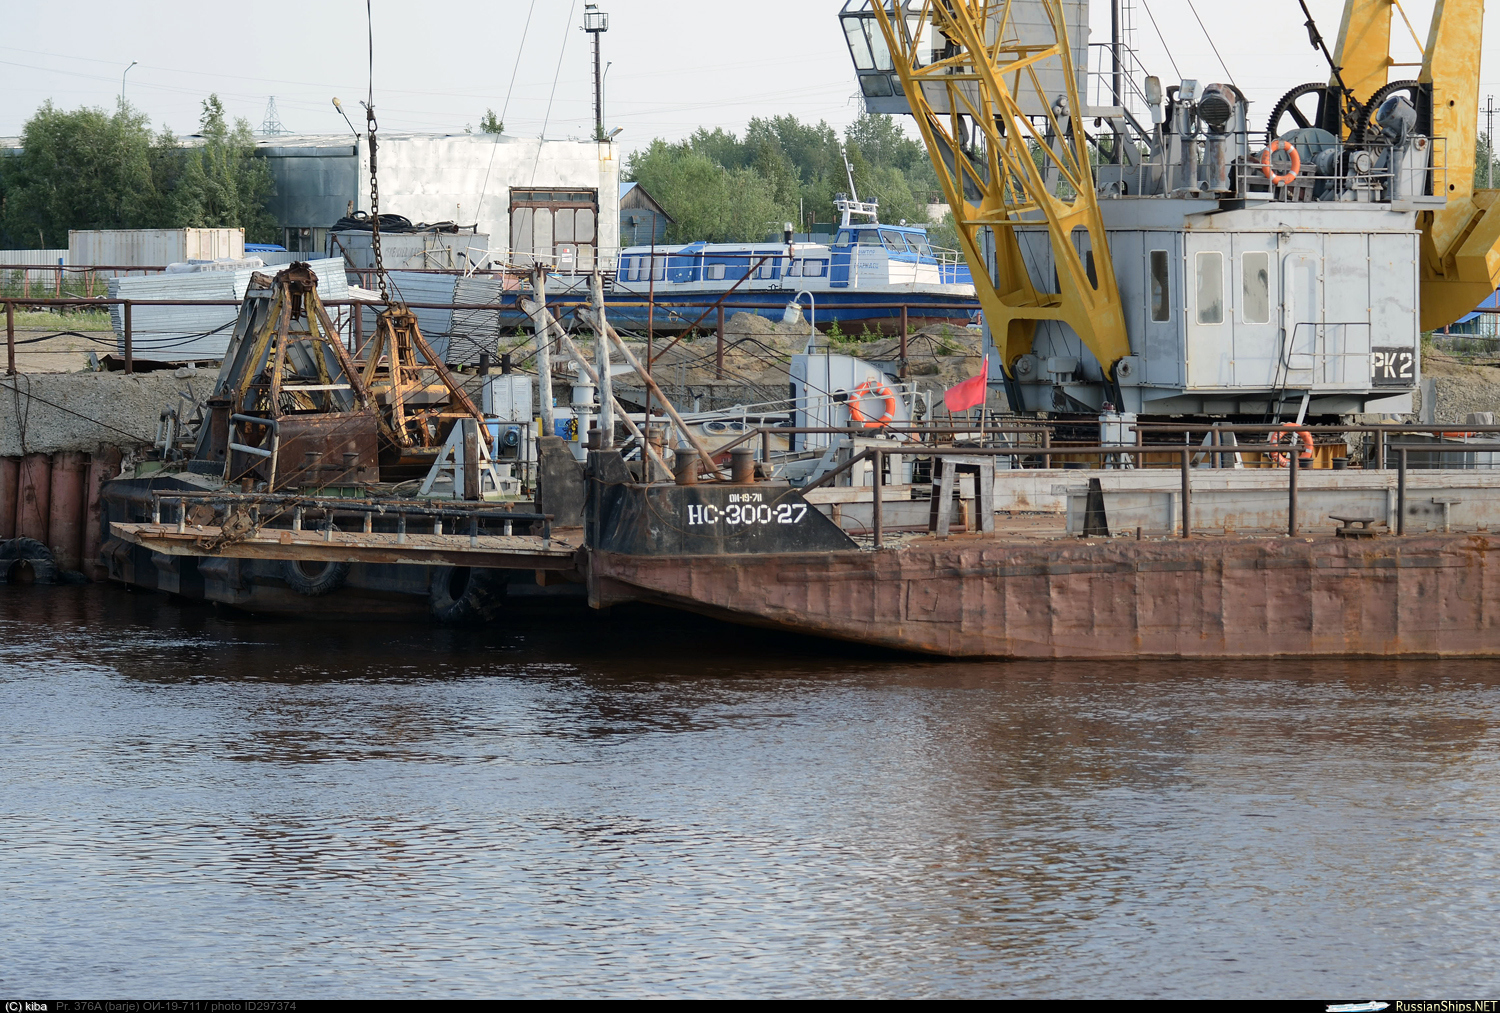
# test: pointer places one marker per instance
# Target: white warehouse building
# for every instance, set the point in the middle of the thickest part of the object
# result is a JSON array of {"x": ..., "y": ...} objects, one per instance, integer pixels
[{"x": 552, "y": 200}]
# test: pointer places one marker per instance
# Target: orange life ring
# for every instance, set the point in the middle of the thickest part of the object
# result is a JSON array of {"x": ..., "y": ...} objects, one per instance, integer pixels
[
  {"x": 1290, "y": 429},
  {"x": 871, "y": 389},
  {"x": 1265, "y": 161}
]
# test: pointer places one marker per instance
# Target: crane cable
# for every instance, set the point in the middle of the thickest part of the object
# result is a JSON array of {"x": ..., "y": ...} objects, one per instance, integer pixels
[
  {"x": 1216, "y": 48},
  {"x": 1166, "y": 48},
  {"x": 484, "y": 187},
  {"x": 563, "y": 51}
]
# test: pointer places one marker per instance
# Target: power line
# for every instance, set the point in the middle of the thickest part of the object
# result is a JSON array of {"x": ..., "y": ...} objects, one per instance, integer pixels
[
  {"x": 479, "y": 208},
  {"x": 1211, "y": 45},
  {"x": 567, "y": 26},
  {"x": 1168, "y": 49}
]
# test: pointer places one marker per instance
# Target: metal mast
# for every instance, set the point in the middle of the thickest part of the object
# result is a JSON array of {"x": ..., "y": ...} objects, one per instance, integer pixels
[
  {"x": 271, "y": 125},
  {"x": 596, "y": 23}
]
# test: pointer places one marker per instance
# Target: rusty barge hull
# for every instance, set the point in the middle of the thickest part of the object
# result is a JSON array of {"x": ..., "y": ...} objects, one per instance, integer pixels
[{"x": 985, "y": 597}]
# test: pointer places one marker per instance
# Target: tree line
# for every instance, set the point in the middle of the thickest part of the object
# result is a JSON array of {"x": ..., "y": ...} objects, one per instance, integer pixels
[
  {"x": 90, "y": 169},
  {"x": 720, "y": 187}
]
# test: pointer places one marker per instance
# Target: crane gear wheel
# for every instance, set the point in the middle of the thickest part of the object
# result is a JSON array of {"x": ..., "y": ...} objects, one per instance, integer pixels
[
  {"x": 1365, "y": 129},
  {"x": 1324, "y": 115}
]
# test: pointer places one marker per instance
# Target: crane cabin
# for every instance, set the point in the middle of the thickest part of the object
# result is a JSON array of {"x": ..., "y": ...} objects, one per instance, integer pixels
[{"x": 1158, "y": 249}]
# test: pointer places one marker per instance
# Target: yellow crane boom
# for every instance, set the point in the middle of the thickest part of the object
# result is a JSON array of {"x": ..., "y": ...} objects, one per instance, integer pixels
[
  {"x": 974, "y": 78},
  {"x": 1461, "y": 240}
]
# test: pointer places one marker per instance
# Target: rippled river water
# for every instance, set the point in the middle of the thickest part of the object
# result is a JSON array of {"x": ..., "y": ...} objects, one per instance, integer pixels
[{"x": 196, "y": 804}]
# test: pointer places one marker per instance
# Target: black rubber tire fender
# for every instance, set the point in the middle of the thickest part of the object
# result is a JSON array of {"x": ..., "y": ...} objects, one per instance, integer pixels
[
  {"x": 313, "y": 578},
  {"x": 30, "y": 551},
  {"x": 464, "y": 595}
]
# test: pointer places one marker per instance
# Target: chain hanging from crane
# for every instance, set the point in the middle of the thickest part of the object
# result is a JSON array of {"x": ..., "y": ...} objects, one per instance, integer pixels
[
  {"x": 380, "y": 279},
  {"x": 1012, "y": 154},
  {"x": 369, "y": 104}
]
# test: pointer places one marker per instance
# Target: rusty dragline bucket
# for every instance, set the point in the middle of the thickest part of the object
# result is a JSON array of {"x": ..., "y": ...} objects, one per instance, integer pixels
[{"x": 289, "y": 408}]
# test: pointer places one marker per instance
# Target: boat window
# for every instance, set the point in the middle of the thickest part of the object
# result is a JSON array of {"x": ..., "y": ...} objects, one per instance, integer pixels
[
  {"x": 714, "y": 272},
  {"x": 1161, "y": 301},
  {"x": 869, "y": 237},
  {"x": 1255, "y": 277},
  {"x": 919, "y": 245},
  {"x": 843, "y": 239},
  {"x": 795, "y": 271},
  {"x": 624, "y": 269},
  {"x": 813, "y": 268},
  {"x": 658, "y": 268},
  {"x": 893, "y": 241},
  {"x": 1210, "y": 287}
]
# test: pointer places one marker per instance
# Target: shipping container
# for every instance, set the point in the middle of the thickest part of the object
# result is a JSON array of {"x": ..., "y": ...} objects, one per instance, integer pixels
[{"x": 153, "y": 247}]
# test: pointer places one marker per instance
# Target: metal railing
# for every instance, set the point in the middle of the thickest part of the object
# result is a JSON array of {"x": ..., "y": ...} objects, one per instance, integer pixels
[
  {"x": 1252, "y": 172},
  {"x": 328, "y": 509}
]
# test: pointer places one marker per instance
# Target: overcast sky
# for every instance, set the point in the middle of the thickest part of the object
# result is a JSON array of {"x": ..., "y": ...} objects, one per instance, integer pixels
[{"x": 677, "y": 64}]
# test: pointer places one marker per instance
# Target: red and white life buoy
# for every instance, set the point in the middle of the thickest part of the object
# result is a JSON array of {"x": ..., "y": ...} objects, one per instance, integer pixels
[
  {"x": 872, "y": 389},
  {"x": 1293, "y": 437},
  {"x": 1265, "y": 161}
]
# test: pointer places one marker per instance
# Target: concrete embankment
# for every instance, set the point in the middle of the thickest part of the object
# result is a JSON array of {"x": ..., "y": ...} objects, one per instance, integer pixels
[{"x": 62, "y": 435}]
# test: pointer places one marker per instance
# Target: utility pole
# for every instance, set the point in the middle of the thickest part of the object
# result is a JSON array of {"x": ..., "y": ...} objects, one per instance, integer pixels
[
  {"x": 1489, "y": 140},
  {"x": 596, "y": 23}
]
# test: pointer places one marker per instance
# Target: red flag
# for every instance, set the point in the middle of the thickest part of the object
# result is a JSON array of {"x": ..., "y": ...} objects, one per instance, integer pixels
[{"x": 963, "y": 396}]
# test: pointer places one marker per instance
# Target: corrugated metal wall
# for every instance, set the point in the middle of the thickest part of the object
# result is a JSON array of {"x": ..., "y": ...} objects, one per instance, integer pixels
[
  {"x": 181, "y": 333},
  {"x": 153, "y": 247},
  {"x": 476, "y": 331},
  {"x": 47, "y": 258},
  {"x": 436, "y": 325}
]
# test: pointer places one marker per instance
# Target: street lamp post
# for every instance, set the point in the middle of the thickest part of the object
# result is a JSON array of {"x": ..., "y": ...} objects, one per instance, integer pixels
[
  {"x": 596, "y": 23},
  {"x": 604, "y": 91},
  {"x": 122, "y": 80}
]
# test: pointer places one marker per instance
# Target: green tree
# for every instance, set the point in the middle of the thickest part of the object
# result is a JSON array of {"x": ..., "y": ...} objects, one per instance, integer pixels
[
  {"x": 886, "y": 185},
  {"x": 83, "y": 169},
  {"x": 491, "y": 124},
  {"x": 880, "y": 140},
  {"x": 721, "y": 147},
  {"x": 707, "y": 200},
  {"x": 786, "y": 170},
  {"x": 812, "y": 149},
  {"x": 224, "y": 183}
]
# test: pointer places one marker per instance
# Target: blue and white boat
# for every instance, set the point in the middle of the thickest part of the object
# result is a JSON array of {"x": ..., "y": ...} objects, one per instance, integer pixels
[{"x": 863, "y": 278}]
